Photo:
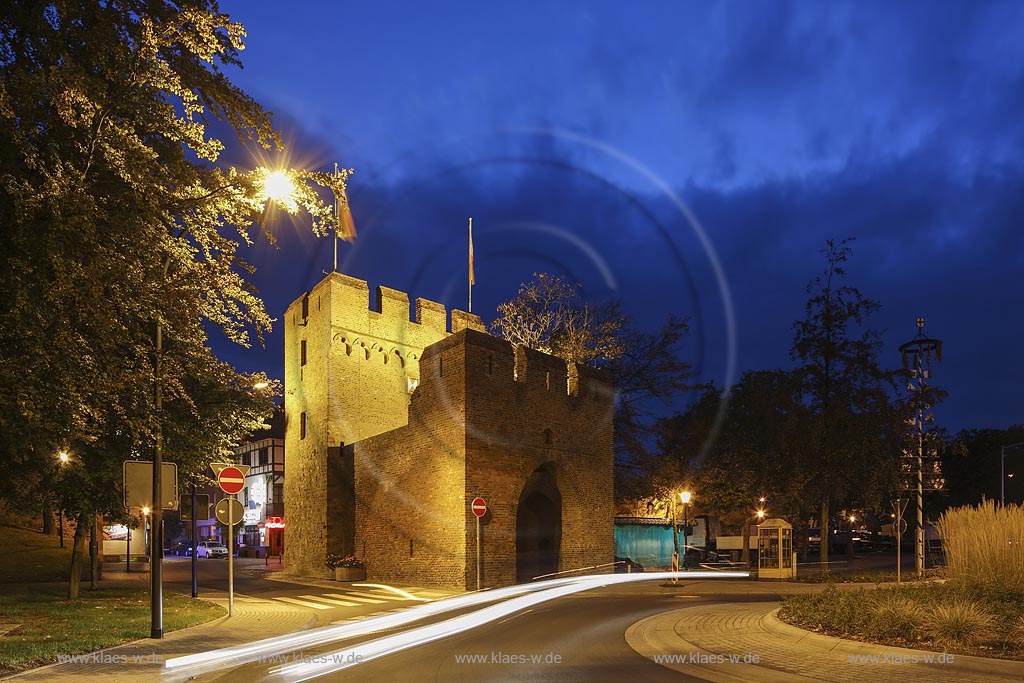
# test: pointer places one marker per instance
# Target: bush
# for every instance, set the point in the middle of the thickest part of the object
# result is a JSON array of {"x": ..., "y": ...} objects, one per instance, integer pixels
[
  {"x": 960, "y": 624},
  {"x": 984, "y": 545},
  {"x": 830, "y": 611},
  {"x": 895, "y": 615}
]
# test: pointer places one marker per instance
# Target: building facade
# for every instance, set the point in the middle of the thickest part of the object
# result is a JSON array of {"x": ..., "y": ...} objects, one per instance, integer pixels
[
  {"x": 263, "y": 494},
  {"x": 393, "y": 427}
]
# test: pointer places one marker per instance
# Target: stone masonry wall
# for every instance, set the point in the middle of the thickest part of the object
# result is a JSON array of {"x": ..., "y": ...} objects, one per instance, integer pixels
[
  {"x": 477, "y": 428},
  {"x": 354, "y": 384}
]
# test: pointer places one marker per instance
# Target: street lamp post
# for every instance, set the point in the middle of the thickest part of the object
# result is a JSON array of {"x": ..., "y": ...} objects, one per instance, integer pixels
[
  {"x": 1002, "y": 470},
  {"x": 685, "y": 498},
  {"x": 63, "y": 457}
]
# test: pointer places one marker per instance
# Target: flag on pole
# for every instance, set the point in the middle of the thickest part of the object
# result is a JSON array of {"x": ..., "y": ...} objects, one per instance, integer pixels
[
  {"x": 472, "y": 276},
  {"x": 348, "y": 226}
]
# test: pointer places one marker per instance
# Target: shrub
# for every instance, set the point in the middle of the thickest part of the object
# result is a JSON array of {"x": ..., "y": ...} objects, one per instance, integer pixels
[
  {"x": 830, "y": 611},
  {"x": 984, "y": 545},
  {"x": 1016, "y": 634},
  {"x": 895, "y": 615},
  {"x": 960, "y": 624},
  {"x": 350, "y": 561}
]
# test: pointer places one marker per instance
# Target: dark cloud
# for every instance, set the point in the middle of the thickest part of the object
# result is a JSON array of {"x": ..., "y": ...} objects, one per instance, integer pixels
[{"x": 780, "y": 125}]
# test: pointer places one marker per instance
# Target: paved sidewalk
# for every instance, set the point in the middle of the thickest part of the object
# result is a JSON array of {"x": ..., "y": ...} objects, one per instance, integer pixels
[{"x": 739, "y": 642}]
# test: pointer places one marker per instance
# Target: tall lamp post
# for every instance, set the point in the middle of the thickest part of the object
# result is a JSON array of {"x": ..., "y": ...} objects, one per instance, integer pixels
[
  {"x": 63, "y": 456},
  {"x": 1002, "y": 470},
  {"x": 685, "y": 498},
  {"x": 917, "y": 356}
]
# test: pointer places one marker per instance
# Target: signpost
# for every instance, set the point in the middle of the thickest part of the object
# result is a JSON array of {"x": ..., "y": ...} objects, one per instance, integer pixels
[
  {"x": 231, "y": 479},
  {"x": 479, "y": 508},
  {"x": 900, "y": 506}
]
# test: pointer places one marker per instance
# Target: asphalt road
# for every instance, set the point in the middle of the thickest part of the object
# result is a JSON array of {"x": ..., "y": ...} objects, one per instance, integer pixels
[{"x": 574, "y": 638}]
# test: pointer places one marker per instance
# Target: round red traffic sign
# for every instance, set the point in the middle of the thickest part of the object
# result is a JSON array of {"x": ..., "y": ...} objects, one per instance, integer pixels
[
  {"x": 231, "y": 480},
  {"x": 479, "y": 507}
]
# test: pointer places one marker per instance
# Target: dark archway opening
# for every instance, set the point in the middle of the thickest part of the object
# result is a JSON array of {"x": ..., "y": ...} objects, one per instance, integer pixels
[{"x": 538, "y": 526}]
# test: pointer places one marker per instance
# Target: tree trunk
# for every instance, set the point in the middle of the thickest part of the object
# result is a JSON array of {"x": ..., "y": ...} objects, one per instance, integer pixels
[
  {"x": 77, "y": 548},
  {"x": 94, "y": 553},
  {"x": 49, "y": 527},
  {"x": 825, "y": 537}
]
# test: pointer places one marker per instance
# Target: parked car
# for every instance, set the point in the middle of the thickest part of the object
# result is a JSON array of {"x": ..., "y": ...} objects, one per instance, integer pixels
[
  {"x": 211, "y": 549},
  {"x": 182, "y": 548}
]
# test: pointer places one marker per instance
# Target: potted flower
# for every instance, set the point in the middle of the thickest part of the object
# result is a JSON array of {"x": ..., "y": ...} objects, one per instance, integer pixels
[{"x": 346, "y": 567}]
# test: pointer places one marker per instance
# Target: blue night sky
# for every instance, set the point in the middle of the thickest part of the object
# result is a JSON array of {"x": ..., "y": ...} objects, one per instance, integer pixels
[{"x": 689, "y": 158}]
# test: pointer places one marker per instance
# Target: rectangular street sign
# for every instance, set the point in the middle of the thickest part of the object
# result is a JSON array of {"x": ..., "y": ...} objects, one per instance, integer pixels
[
  {"x": 202, "y": 507},
  {"x": 138, "y": 484}
]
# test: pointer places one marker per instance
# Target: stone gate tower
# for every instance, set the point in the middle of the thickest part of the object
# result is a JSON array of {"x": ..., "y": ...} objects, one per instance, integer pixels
[{"x": 393, "y": 426}]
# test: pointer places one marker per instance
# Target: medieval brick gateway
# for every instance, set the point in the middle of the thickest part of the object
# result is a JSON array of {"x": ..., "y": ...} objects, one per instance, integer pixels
[{"x": 393, "y": 426}]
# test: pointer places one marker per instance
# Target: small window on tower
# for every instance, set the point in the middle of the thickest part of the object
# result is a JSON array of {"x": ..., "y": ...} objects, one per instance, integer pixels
[
  {"x": 548, "y": 437},
  {"x": 302, "y": 426},
  {"x": 305, "y": 307},
  {"x": 302, "y": 352}
]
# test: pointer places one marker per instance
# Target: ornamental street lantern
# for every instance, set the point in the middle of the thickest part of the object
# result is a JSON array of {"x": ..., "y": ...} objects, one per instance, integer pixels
[{"x": 917, "y": 358}]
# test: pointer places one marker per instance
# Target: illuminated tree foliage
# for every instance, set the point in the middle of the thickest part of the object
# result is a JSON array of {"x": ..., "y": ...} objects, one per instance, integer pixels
[
  {"x": 115, "y": 217},
  {"x": 647, "y": 369}
]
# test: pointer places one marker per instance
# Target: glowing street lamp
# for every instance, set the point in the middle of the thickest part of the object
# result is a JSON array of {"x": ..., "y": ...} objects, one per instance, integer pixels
[
  {"x": 279, "y": 187},
  {"x": 685, "y": 497},
  {"x": 760, "y": 515}
]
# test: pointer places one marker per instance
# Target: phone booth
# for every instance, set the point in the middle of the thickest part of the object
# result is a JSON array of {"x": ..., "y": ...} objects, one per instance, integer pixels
[
  {"x": 775, "y": 556},
  {"x": 274, "y": 526}
]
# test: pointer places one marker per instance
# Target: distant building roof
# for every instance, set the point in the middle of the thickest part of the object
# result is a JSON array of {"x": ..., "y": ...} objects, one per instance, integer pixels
[{"x": 649, "y": 521}]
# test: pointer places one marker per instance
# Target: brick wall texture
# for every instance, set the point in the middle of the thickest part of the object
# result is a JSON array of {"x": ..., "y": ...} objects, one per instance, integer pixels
[{"x": 389, "y": 475}]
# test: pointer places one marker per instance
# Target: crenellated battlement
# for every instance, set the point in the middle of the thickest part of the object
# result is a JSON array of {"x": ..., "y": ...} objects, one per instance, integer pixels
[
  {"x": 387, "y": 319},
  {"x": 496, "y": 367}
]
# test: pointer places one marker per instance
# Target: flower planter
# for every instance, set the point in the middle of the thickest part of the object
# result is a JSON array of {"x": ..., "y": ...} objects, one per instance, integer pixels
[{"x": 350, "y": 573}]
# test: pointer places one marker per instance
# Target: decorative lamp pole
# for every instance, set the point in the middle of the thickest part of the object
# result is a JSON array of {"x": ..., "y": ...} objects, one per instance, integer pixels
[
  {"x": 917, "y": 358},
  {"x": 685, "y": 498}
]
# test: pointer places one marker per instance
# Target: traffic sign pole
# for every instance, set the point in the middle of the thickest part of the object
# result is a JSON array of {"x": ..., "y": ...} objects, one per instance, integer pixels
[
  {"x": 195, "y": 542},
  {"x": 479, "y": 508},
  {"x": 231, "y": 560}
]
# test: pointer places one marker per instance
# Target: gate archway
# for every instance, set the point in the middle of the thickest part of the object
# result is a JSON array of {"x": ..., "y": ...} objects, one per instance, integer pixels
[{"x": 538, "y": 526}]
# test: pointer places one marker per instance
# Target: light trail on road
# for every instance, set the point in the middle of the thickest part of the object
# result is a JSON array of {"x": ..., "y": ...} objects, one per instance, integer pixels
[{"x": 338, "y": 660}]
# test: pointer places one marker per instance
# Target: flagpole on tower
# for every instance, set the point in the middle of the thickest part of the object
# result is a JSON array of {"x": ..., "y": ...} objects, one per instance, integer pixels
[
  {"x": 472, "y": 279},
  {"x": 337, "y": 217}
]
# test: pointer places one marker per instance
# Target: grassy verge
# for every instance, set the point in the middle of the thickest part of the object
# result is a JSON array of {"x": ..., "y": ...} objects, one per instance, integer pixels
[
  {"x": 31, "y": 556},
  {"x": 946, "y": 617},
  {"x": 46, "y": 624}
]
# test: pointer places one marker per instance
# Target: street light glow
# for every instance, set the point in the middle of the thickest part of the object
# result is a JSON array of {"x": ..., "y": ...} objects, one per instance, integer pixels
[
  {"x": 63, "y": 455},
  {"x": 685, "y": 497},
  {"x": 760, "y": 514},
  {"x": 145, "y": 511},
  {"x": 261, "y": 385}
]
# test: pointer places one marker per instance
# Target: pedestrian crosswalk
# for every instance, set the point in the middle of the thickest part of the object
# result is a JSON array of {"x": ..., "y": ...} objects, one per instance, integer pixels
[{"x": 358, "y": 598}]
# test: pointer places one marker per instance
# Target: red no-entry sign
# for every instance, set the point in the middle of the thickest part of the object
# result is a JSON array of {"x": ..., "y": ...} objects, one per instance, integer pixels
[
  {"x": 479, "y": 507},
  {"x": 231, "y": 480}
]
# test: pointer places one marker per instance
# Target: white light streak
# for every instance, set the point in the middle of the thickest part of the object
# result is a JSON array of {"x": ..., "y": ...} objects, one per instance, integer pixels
[{"x": 519, "y": 597}]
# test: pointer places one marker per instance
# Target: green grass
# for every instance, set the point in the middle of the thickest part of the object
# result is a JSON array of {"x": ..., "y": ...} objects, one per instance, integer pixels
[
  {"x": 949, "y": 617},
  {"x": 50, "y": 625},
  {"x": 29, "y": 556}
]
